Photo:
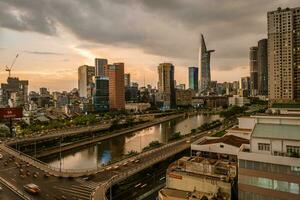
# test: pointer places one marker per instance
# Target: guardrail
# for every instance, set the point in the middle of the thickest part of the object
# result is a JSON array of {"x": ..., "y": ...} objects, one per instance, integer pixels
[
  {"x": 14, "y": 189},
  {"x": 100, "y": 191}
]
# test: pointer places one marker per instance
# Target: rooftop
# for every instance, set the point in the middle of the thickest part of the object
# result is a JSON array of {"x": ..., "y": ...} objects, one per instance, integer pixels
[
  {"x": 277, "y": 131},
  {"x": 227, "y": 139}
]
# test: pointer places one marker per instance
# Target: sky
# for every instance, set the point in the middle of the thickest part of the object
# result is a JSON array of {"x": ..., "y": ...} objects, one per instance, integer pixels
[{"x": 54, "y": 37}]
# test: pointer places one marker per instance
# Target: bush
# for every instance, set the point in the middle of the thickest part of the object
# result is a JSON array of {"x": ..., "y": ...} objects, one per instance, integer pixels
[
  {"x": 175, "y": 136},
  {"x": 234, "y": 110},
  {"x": 152, "y": 145}
]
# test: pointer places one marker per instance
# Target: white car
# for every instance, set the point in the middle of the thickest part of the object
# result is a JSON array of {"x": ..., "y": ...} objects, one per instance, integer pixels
[{"x": 1, "y": 156}]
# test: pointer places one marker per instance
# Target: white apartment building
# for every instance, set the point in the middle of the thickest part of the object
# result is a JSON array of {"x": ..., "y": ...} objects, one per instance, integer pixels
[{"x": 269, "y": 167}]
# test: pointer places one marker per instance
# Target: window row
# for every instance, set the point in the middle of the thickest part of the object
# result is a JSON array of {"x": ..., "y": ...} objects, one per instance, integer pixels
[{"x": 272, "y": 184}]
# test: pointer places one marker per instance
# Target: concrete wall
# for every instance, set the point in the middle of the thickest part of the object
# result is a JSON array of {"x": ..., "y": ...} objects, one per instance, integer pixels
[
  {"x": 247, "y": 122},
  {"x": 216, "y": 148},
  {"x": 275, "y": 145},
  {"x": 202, "y": 184}
]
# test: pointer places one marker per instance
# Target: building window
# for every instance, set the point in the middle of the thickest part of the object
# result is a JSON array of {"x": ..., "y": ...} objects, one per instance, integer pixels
[
  {"x": 271, "y": 184},
  {"x": 263, "y": 147},
  {"x": 293, "y": 151}
]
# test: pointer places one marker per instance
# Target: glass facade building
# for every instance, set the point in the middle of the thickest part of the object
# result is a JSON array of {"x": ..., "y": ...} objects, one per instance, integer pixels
[
  {"x": 193, "y": 78},
  {"x": 101, "y": 94}
]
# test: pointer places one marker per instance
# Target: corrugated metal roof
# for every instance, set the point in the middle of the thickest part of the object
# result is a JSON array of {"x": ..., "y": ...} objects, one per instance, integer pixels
[{"x": 277, "y": 131}]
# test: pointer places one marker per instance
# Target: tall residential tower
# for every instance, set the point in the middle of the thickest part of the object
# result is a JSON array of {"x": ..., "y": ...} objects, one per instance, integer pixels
[
  {"x": 284, "y": 54},
  {"x": 85, "y": 80},
  {"x": 253, "y": 71},
  {"x": 262, "y": 65},
  {"x": 166, "y": 87}
]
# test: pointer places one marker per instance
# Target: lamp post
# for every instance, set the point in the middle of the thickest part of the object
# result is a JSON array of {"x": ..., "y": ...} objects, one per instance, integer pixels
[{"x": 60, "y": 140}]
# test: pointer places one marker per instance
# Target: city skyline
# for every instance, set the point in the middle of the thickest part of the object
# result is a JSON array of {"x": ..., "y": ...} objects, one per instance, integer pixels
[{"x": 51, "y": 51}]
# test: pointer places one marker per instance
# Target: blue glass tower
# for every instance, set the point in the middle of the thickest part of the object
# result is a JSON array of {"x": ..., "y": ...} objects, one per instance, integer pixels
[{"x": 193, "y": 78}]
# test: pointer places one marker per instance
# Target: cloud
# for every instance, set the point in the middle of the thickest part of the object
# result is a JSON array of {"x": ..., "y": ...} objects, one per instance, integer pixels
[
  {"x": 161, "y": 27},
  {"x": 44, "y": 53}
]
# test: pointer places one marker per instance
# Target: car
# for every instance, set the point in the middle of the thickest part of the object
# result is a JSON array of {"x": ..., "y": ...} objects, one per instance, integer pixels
[
  {"x": 116, "y": 167},
  {"x": 1, "y": 156},
  {"x": 125, "y": 163},
  {"x": 136, "y": 161},
  {"x": 32, "y": 188},
  {"x": 137, "y": 185}
]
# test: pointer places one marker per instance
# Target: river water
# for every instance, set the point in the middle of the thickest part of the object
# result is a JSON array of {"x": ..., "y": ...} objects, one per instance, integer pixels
[{"x": 113, "y": 149}]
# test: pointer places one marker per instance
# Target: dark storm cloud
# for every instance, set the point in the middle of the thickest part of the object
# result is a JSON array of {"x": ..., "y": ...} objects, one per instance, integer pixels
[
  {"x": 44, "y": 53},
  {"x": 169, "y": 28}
]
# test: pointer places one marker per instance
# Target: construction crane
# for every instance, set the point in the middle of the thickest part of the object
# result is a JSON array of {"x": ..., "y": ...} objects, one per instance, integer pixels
[{"x": 8, "y": 69}]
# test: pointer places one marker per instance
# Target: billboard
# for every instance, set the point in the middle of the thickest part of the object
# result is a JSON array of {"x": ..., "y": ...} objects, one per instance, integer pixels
[{"x": 7, "y": 113}]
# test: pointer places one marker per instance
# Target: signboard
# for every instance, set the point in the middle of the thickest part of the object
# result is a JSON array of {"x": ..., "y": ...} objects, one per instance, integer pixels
[
  {"x": 8, "y": 113},
  {"x": 171, "y": 175}
]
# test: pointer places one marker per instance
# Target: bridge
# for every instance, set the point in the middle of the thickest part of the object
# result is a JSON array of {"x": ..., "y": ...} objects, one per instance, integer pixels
[{"x": 105, "y": 177}]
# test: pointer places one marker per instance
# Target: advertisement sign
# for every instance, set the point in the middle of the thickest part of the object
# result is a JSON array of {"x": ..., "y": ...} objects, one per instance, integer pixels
[{"x": 7, "y": 113}]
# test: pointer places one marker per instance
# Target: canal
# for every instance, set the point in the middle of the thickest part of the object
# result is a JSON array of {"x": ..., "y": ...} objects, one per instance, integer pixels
[{"x": 115, "y": 148}]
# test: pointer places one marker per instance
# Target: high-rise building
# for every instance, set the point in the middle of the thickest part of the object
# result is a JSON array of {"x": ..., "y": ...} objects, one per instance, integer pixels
[
  {"x": 204, "y": 65},
  {"x": 245, "y": 86},
  {"x": 99, "y": 66},
  {"x": 101, "y": 94},
  {"x": 253, "y": 71},
  {"x": 193, "y": 78},
  {"x": 262, "y": 67},
  {"x": 127, "y": 80},
  {"x": 14, "y": 91},
  {"x": 115, "y": 73},
  {"x": 44, "y": 91},
  {"x": 284, "y": 54},
  {"x": 166, "y": 87},
  {"x": 85, "y": 80}
]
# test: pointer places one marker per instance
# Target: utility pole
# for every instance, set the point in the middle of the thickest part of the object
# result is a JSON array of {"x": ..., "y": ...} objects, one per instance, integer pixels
[
  {"x": 60, "y": 153},
  {"x": 35, "y": 148}
]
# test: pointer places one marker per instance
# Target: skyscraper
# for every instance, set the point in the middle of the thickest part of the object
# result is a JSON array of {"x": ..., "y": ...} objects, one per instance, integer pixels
[
  {"x": 85, "y": 80},
  {"x": 253, "y": 71},
  {"x": 115, "y": 73},
  {"x": 204, "y": 65},
  {"x": 127, "y": 80},
  {"x": 193, "y": 78},
  {"x": 99, "y": 66},
  {"x": 262, "y": 67},
  {"x": 284, "y": 55},
  {"x": 101, "y": 94},
  {"x": 245, "y": 86},
  {"x": 166, "y": 87}
]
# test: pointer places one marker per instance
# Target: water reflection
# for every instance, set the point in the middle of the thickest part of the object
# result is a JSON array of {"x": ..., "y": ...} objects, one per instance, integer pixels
[{"x": 103, "y": 152}]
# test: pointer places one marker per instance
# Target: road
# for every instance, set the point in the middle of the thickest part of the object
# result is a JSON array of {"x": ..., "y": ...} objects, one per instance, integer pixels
[
  {"x": 80, "y": 189},
  {"x": 7, "y": 194}
]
